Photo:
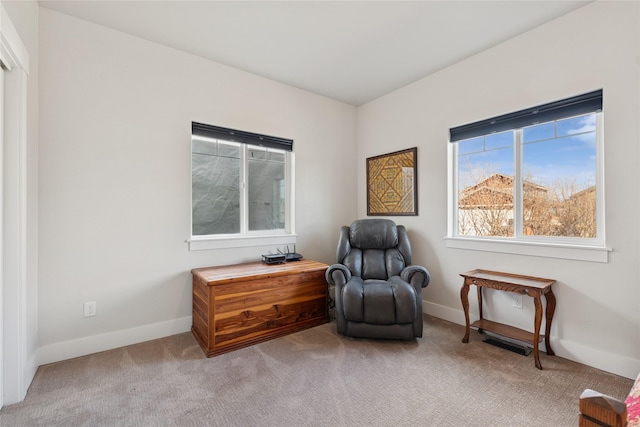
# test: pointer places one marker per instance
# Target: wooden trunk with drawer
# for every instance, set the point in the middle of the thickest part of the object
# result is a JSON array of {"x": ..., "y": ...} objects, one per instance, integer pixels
[{"x": 239, "y": 305}]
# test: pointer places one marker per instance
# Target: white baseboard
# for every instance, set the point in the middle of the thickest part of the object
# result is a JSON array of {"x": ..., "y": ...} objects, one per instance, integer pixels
[
  {"x": 97, "y": 343},
  {"x": 442, "y": 312},
  {"x": 614, "y": 363},
  {"x": 30, "y": 372},
  {"x": 596, "y": 358}
]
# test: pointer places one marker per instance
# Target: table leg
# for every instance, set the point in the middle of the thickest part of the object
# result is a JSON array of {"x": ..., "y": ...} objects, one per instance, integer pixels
[
  {"x": 464, "y": 296},
  {"x": 551, "y": 308},
  {"x": 480, "y": 303},
  {"x": 536, "y": 329}
]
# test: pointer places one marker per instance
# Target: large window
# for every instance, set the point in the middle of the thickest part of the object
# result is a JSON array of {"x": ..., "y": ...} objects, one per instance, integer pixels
[
  {"x": 531, "y": 176},
  {"x": 241, "y": 183}
]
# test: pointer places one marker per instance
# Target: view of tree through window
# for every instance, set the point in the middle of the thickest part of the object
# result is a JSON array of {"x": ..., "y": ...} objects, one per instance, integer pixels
[{"x": 554, "y": 193}]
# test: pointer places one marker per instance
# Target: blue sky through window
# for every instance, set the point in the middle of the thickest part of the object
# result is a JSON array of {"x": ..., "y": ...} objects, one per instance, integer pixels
[{"x": 555, "y": 153}]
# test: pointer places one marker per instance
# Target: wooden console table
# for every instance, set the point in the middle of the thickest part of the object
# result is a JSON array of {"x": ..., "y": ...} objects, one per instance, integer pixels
[
  {"x": 534, "y": 287},
  {"x": 236, "y": 306}
]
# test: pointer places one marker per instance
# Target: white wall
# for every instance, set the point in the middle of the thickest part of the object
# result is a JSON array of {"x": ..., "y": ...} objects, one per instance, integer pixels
[
  {"x": 597, "y": 320},
  {"x": 114, "y": 175},
  {"x": 115, "y": 126}
]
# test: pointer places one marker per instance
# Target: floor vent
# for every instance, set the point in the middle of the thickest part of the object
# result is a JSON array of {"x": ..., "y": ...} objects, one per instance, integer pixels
[{"x": 520, "y": 350}]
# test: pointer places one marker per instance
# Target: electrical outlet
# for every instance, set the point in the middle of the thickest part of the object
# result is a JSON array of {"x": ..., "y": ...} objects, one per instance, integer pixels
[
  {"x": 89, "y": 309},
  {"x": 517, "y": 301}
]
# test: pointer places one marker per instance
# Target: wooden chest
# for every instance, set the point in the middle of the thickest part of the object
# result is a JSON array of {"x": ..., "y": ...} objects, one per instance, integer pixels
[{"x": 239, "y": 305}]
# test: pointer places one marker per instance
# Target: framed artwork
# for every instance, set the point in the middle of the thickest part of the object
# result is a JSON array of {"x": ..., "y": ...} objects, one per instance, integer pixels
[{"x": 392, "y": 183}]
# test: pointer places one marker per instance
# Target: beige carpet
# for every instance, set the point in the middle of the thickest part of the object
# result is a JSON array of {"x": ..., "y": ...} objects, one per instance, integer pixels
[{"x": 312, "y": 378}]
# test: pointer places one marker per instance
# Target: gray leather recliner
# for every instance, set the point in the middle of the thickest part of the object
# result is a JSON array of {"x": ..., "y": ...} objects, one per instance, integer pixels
[{"x": 378, "y": 293}]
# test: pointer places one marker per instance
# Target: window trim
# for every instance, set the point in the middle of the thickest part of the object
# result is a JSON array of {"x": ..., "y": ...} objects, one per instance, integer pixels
[
  {"x": 247, "y": 238},
  {"x": 531, "y": 248},
  {"x": 594, "y": 250},
  {"x": 229, "y": 241}
]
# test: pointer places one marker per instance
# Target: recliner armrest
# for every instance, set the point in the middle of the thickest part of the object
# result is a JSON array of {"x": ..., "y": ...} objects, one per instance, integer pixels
[
  {"x": 337, "y": 275},
  {"x": 417, "y": 275}
]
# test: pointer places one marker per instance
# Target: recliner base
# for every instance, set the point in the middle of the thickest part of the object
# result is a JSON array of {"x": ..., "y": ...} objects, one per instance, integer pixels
[{"x": 368, "y": 330}]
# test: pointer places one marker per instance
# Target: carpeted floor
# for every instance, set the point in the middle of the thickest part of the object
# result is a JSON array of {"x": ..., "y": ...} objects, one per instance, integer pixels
[{"x": 312, "y": 378}]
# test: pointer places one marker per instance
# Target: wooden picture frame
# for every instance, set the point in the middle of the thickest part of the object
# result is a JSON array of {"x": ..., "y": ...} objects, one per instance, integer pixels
[{"x": 392, "y": 183}]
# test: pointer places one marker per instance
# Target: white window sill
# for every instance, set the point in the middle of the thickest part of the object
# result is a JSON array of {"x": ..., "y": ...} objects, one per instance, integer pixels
[
  {"x": 226, "y": 242},
  {"x": 540, "y": 249}
]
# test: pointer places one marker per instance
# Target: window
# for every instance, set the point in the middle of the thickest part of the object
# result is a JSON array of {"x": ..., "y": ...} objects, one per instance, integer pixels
[
  {"x": 241, "y": 183},
  {"x": 531, "y": 176}
]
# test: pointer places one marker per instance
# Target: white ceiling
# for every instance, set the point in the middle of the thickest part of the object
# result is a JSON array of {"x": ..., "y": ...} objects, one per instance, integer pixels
[{"x": 352, "y": 51}]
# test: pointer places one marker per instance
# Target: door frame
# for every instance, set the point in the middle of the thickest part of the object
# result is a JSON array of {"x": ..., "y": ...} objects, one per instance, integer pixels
[{"x": 16, "y": 371}]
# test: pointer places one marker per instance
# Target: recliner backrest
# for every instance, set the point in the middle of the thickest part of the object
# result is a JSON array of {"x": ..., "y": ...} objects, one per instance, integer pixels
[{"x": 374, "y": 248}]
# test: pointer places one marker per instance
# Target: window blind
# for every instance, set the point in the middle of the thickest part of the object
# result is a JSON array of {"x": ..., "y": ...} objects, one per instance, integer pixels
[
  {"x": 217, "y": 132},
  {"x": 574, "y": 106}
]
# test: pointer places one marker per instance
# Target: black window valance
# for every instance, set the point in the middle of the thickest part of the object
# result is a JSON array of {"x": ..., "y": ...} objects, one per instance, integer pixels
[
  {"x": 217, "y": 132},
  {"x": 574, "y": 106}
]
